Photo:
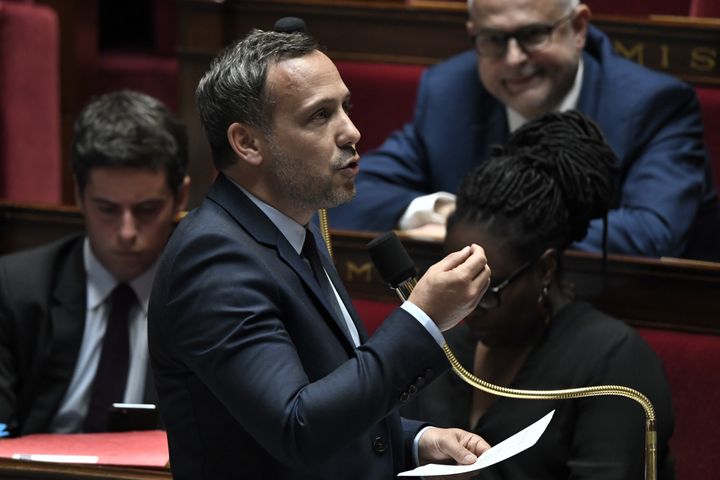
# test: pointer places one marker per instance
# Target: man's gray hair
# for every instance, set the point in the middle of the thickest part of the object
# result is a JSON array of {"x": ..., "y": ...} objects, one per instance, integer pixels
[{"x": 234, "y": 88}]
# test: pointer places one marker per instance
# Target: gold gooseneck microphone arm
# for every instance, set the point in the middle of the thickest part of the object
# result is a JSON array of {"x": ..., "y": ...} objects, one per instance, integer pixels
[
  {"x": 403, "y": 292},
  {"x": 564, "y": 394}
]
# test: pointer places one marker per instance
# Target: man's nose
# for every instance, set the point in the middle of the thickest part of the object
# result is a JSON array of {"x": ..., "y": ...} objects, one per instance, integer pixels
[
  {"x": 349, "y": 133},
  {"x": 128, "y": 226},
  {"x": 514, "y": 53}
]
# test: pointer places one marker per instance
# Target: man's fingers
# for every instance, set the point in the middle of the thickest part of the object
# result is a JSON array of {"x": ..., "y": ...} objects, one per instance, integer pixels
[
  {"x": 454, "y": 259},
  {"x": 464, "y": 447},
  {"x": 477, "y": 444},
  {"x": 474, "y": 264}
]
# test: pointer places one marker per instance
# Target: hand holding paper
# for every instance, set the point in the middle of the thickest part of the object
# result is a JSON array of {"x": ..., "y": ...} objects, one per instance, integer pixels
[
  {"x": 450, "y": 445},
  {"x": 513, "y": 445}
]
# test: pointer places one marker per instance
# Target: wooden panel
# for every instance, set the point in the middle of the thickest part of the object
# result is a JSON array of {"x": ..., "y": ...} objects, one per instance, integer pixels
[
  {"x": 672, "y": 294},
  {"x": 24, "y": 226}
]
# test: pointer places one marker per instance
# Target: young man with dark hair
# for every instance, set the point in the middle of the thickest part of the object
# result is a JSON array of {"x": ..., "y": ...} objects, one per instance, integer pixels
[{"x": 62, "y": 304}]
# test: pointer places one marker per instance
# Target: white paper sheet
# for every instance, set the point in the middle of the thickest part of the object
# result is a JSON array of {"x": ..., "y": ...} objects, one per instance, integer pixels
[
  {"x": 512, "y": 445},
  {"x": 56, "y": 458}
]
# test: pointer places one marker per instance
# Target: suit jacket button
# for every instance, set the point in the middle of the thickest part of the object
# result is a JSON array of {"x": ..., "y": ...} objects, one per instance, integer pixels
[
  {"x": 420, "y": 382},
  {"x": 412, "y": 389},
  {"x": 404, "y": 397},
  {"x": 379, "y": 445}
]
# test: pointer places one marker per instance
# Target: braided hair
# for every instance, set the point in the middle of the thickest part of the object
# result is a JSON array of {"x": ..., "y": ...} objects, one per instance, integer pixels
[{"x": 541, "y": 189}]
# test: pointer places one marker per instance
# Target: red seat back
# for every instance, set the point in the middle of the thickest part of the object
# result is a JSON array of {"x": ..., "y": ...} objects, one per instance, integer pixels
[
  {"x": 383, "y": 97},
  {"x": 30, "y": 165},
  {"x": 691, "y": 364},
  {"x": 705, "y": 8}
]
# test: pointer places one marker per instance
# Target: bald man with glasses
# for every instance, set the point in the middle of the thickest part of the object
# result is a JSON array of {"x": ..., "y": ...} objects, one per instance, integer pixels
[{"x": 531, "y": 57}]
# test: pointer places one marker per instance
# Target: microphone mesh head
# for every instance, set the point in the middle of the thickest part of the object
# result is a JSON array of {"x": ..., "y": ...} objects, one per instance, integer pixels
[
  {"x": 391, "y": 259},
  {"x": 290, "y": 25}
]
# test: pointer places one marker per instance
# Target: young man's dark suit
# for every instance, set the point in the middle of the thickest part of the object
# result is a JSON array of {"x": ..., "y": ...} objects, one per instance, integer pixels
[
  {"x": 256, "y": 377},
  {"x": 42, "y": 317}
]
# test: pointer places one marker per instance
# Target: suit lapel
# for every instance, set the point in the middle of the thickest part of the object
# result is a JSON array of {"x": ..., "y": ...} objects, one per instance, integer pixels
[
  {"x": 259, "y": 226},
  {"x": 67, "y": 323},
  {"x": 340, "y": 287},
  {"x": 489, "y": 129},
  {"x": 590, "y": 91}
]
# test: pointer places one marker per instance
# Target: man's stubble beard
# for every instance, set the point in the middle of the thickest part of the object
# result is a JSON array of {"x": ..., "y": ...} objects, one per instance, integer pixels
[{"x": 309, "y": 191}]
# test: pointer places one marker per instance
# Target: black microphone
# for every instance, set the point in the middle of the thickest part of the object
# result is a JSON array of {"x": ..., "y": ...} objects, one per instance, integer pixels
[
  {"x": 290, "y": 25},
  {"x": 392, "y": 261}
]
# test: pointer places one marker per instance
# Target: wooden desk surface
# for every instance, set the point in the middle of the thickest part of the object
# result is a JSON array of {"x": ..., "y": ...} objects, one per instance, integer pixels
[
  {"x": 673, "y": 294},
  {"x": 22, "y": 470}
]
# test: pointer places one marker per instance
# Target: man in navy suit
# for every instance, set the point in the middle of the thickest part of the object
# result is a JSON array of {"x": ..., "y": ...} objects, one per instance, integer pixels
[
  {"x": 261, "y": 372},
  {"x": 531, "y": 57}
]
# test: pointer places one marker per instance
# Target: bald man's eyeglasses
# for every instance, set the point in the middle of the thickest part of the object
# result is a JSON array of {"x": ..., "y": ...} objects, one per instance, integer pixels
[{"x": 493, "y": 43}]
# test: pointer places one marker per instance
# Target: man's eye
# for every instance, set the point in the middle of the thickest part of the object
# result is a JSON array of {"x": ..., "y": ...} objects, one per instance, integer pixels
[
  {"x": 494, "y": 38},
  {"x": 107, "y": 209},
  {"x": 347, "y": 106},
  {"x": 532, "y": 35},
  {"x": 320, "y": 115},
  {"x": 147, "y": 210}
]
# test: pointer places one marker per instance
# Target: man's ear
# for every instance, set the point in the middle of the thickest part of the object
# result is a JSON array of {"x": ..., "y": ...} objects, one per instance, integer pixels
[
  {"x": 580, "y": 25},
  {"x": 245, "y": 142},
  {"x": 470, "y": 28},
  {"x": 183, "y": 193}
]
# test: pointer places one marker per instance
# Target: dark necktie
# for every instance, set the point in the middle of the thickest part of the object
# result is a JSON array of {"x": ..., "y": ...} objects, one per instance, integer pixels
[
  {"x": 310, "y": 253},
  {"x": 111, "y": 377}
]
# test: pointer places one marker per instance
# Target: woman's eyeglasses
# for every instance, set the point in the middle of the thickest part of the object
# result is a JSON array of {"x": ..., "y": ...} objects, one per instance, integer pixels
[{"x": 491, "y": 299}]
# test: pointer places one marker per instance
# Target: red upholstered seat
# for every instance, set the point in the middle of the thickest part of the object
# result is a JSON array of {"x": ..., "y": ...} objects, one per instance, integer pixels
[
  {"x": 383, "y": 97},
  {"x": 144, "y": 60},
  {"x": 30, "y": 165},
  {"x": 691, "y": 364},
  {"x": 705, "y": 8},
  {"x": 373, "y": 313},
  {"x": 155, "y": 75}
]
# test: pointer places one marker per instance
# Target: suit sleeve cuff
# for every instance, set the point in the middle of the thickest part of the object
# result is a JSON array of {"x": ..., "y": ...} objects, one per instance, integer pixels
[
  {"x": 416, "y": 445},
  {"x": 425, "y": 321}
]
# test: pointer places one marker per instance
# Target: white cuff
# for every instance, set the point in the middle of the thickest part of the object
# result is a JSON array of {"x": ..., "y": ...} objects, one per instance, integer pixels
[
  {"x": 416, "y": 445},
  {"x": 425, "y": 321},
  {"x": 421, "y": 210}
]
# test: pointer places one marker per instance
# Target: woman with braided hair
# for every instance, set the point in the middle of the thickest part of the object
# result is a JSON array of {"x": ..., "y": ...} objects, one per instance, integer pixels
[{"x": 525, "y": 205}]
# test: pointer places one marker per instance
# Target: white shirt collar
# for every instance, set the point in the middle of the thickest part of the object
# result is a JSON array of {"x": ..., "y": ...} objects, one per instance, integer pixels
[
  {"x": 291, "y": 230},
  {"x": 515, "y": 120},
  {"x": 100, "y": 282}
]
